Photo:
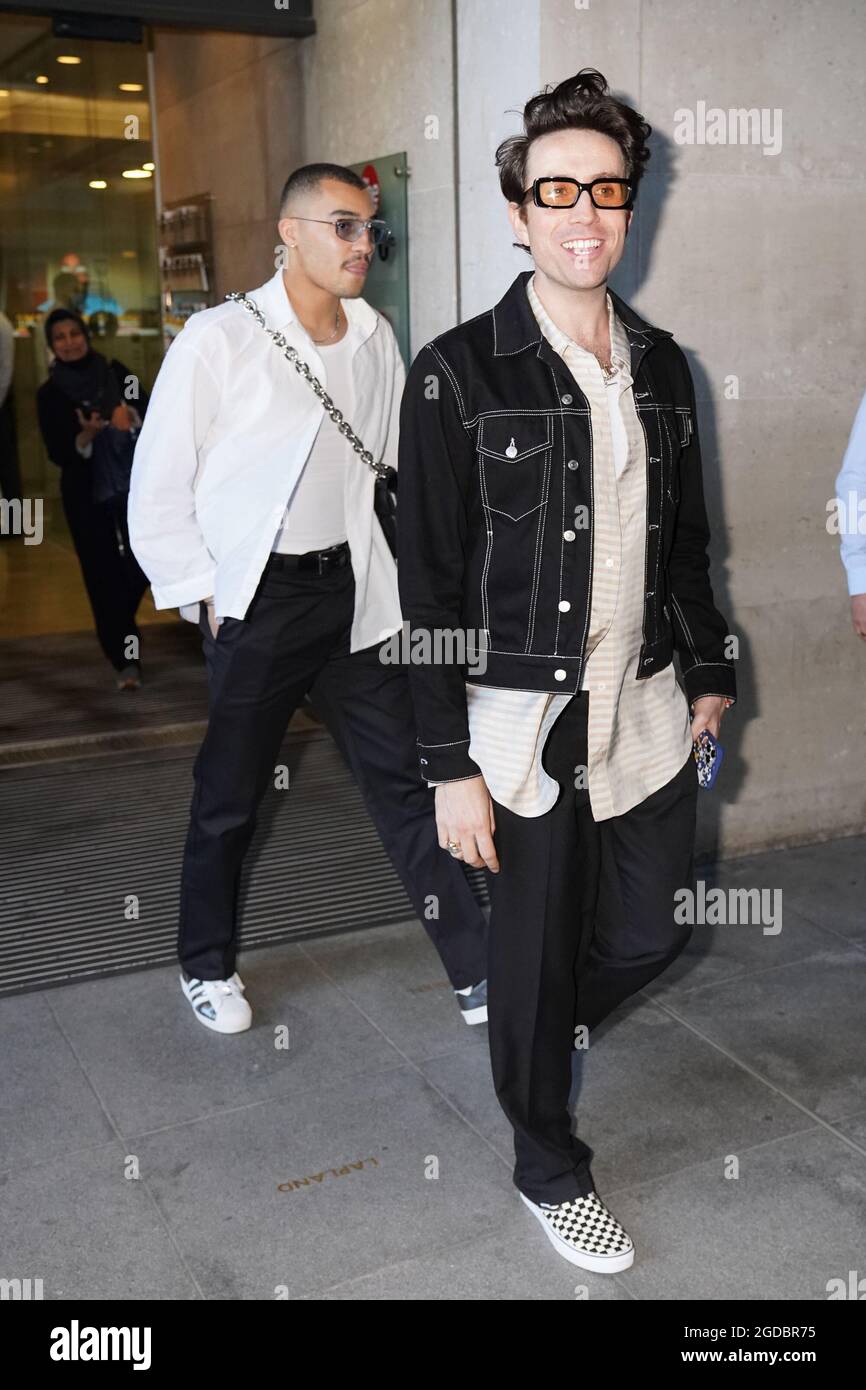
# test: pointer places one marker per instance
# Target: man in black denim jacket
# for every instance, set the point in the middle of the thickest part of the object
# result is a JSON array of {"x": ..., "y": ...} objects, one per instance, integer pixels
[{"x": 497, "y": 501}]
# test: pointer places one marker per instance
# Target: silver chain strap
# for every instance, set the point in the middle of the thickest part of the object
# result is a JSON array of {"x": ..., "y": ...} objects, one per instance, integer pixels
[{"x": 380, "y": 469}]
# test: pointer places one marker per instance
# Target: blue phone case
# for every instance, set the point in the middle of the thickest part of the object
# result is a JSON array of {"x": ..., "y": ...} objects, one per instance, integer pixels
[{"x": 708, "y": 756}]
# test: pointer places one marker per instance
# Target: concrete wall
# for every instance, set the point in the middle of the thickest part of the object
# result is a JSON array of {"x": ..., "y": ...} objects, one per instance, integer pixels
[
  {"x": 753, "y": 261},
  {"x": 229, "y": 121},
  {"x": 378, "y": 79}
]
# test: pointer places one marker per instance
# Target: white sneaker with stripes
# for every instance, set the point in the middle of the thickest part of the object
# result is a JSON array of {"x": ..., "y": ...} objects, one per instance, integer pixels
[
  {"x": 585, "y": 1233},
  {"x": 218, "y": 1004}
]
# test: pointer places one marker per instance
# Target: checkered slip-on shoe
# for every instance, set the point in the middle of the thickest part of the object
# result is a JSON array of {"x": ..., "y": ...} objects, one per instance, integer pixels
[
  {"x": 585, "y": 1233},
  {"x": 219, "y": 1004}
]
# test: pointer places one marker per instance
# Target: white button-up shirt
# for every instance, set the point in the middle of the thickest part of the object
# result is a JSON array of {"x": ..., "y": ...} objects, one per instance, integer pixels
[{"x": 228, "y": 431}]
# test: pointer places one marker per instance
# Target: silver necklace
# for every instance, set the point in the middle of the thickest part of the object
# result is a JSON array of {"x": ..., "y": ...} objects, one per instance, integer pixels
[{"x": 320, "y": 341}]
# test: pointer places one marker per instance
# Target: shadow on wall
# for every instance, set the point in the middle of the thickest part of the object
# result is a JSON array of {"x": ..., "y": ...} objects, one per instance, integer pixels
[{"x": 657, "y": 185}]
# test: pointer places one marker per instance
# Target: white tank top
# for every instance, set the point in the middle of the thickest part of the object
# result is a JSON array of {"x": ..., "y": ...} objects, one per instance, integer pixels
[{"x": 316, "y": 515}]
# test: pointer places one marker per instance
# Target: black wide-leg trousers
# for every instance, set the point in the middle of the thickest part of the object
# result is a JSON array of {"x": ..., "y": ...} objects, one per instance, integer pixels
[
  {"x": 582, "y": 916},
  {"x": 294, "y": 640}
]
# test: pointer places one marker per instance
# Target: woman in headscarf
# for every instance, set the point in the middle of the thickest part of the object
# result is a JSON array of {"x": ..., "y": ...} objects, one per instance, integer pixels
[{"x": 83, "y": 395}]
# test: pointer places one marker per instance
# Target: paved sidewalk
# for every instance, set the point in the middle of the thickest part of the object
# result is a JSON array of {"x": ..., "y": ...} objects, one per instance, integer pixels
[{"x": 309, "y": 1167}]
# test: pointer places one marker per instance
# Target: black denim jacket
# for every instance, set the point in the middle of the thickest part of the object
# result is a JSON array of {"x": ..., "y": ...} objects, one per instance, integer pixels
[{"x": 495, "y": 464}]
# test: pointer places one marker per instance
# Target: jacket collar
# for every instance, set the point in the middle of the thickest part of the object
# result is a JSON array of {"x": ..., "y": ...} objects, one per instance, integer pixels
[
  {"x": 515, "y": 327},
  {"x": 272, "y": 299}
]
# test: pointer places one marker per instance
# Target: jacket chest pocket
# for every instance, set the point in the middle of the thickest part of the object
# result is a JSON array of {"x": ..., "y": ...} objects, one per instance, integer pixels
[{"x": 514, "y": 456}]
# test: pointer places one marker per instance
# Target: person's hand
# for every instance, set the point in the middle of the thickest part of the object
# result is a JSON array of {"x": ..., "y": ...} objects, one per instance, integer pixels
[
  {"x": 121, "y": 418},
  {"x": 707, "y": 714},
  {"x": 90, "y": 427},
  {"x": 464, "y": 815},
  {"x": 211, "y": 617},
  {"x": 858, "y": 614}
]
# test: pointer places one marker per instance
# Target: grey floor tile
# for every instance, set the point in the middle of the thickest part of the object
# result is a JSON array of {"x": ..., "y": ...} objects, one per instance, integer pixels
[
  {"x": 792, "y": 1221},
  {"x": 153, "y": 1064},
  {"x": 218, "y": 1182},
  {"x": 464, "y": 1076},
  {"x": 395, "y": 975},
  {"x": 802, "y": 1026},
  {"x": 825, "y": 884},
  {"x": 651, "y": 1098},
  {"x": 517, "y": 1263},
  {"x": 88, "y": 1232},
  {"x": 718, "y": 953},
  {"x": 47, "y": 1106}
]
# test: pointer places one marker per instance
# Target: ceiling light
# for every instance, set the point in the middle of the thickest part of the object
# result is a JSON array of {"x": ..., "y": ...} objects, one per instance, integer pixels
[
  {"x": 149, "y": 165},
  {"x": 68, "y": 58},
  {"x": 97, "y": 183},
  {"x": 42, "y": 79},
  {"x": 130, "y": 87},
  {"x": 136, "y": 174}
]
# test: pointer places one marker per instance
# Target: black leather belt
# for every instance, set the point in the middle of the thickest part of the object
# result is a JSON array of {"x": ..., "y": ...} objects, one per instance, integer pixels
[{"x": 334, "y": 558}]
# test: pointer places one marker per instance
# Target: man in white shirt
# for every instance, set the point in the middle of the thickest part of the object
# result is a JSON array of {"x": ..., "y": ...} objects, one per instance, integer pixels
[{"x": 251, "y": 512}]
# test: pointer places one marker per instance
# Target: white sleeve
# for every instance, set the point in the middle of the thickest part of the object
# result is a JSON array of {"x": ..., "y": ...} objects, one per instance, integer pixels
[
  {"x": 851, "y": 492},
  {"x": 163, "y": 527}
]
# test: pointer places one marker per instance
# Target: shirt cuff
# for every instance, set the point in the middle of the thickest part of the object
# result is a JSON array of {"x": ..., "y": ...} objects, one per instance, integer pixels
[
  {"x": 447, "y": 762},
  {"x": 856, "y": 579},
  {"x": 184, "y": 591}
]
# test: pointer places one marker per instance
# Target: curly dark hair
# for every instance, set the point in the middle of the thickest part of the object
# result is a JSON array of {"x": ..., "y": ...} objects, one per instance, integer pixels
[{"x": 582, "y": 102}]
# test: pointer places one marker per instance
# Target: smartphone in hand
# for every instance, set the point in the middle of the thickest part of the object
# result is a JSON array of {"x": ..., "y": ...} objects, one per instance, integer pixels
[{"x": 708, "y": 754}]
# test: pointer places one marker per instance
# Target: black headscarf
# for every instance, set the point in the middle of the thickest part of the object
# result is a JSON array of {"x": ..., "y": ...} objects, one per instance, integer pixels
[{"x": 89, "y": 379}]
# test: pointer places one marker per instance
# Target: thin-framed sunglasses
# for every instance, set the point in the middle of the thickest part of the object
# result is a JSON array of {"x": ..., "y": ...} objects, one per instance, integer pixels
[
  {"x": 549, "y": 192},
  {"x": 350, "y": 228}
]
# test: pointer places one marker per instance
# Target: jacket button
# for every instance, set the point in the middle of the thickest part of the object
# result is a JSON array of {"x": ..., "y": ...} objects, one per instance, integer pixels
[
  {"x": 564, "y": 605},
  {"x": 572, "y": 464},
  {"x": 424, "y": 762},
  {"x": 568, "y": 535},
  {"x": 648, "y": 661},
  {"x": 560, "y": 675},
  {"x": 566, "y": 399}
]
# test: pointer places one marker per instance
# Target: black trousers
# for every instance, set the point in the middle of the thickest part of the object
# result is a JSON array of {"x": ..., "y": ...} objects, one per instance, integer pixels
[
  {"x": 294, "y": 641},
  {"x": 114, "y": 579},
  {"x": 581, "y": 917}
]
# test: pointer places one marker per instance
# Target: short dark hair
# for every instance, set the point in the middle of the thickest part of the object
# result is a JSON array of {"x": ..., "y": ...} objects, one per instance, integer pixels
[
  {"x": 582, "y": 102},
  {"x": 309, "y": 176}
]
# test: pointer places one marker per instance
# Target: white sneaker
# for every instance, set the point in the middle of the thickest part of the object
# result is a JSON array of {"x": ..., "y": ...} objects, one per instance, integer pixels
[
  {"x": 219, "y": 1004},
  {"x": 585, "y": 1233}
]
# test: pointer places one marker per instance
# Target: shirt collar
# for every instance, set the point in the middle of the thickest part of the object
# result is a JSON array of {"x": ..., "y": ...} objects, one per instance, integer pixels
[
  {"x": 559, "y": 340},
  {"x": 274, "y": 302},
  {"x": 515, "y": 327}
]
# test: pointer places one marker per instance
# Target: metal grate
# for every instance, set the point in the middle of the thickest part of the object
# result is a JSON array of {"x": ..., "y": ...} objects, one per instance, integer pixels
[{"x": 82, "y": 835}]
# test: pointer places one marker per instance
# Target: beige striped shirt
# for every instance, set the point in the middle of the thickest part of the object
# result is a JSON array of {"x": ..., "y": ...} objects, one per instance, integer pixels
[{"x": 638, "y": 731}]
